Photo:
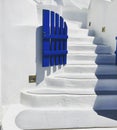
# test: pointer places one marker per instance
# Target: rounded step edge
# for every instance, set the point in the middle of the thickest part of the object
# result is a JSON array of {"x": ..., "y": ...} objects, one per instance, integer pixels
[
  {"x": 81, "y": 39},
  {"x": 53, "y": 99},
  {"x": 97, "y": 69},
  {"x": 90, "y": 58},
  {"x": 111, "y": 128},
  {"x": 37, "y": 119},
  {"x": 73, "y": 24},
  {"x": 83, "y": 86},
  {"x": 77, "y": 32},
  {"x": 98, "y": 49},
  {"x": 86, "y": 76}
]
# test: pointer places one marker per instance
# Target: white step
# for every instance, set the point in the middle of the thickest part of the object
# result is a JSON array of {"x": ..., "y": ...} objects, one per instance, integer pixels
[
  {"x": 85, "y": 39},
  {"x": 99, "y": 49},
  {"x": 92, "y": 129},
  {"x": 51, "y": 99},
  {"x": 65, "y": 99},
  {"x": 90, "y": 59},
  {"x": 66, "y": 3},
  {"x": 86, "y": 76},
  {"x": 64, "y": 118},
  {"x": 73, "y": 24},
  {"x": 83, "y": 86},
  {"x": 77, "y": 32},
  {"x": 46, "y": 2},
  {"x": 96, "y": 69}
]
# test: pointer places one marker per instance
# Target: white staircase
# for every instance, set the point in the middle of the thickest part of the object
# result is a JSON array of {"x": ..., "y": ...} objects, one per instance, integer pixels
[
  {"x": 82, "y": 94},
  {"x": 85, "y": 87}
]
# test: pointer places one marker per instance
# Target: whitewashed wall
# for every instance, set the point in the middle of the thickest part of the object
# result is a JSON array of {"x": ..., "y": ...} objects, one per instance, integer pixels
[
  {"x": 103, "y": 13},
  {"x": 22, "y": 47},
  {"x": 81, "y": 3},
  {"x": 0, "y": 51},
  {"x": 22, "y": 44},
  {"x": 18, "y": 48}
]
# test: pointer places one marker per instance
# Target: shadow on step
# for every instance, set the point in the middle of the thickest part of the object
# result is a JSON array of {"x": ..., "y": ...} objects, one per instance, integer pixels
[
  {"x": 106, "y": 101},
  {"x": 106, "y": 87},
  {"x": 41, "y": 72},
  {"x": 105, "y": 59},
  {"x": 112, "y": 114}
]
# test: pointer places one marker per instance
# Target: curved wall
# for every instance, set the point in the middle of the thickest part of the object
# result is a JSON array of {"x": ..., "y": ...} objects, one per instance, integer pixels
[{"x": 103, "y": 14}]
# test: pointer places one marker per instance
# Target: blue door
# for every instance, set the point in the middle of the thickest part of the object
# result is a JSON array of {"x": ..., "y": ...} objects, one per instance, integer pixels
[{"x": 54, "y": 39}]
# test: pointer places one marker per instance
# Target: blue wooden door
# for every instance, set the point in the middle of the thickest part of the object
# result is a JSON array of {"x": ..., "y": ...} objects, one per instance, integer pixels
[{"x": 54, "y": 39}]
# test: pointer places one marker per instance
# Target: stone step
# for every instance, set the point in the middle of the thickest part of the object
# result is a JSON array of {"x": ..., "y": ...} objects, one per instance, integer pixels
[
  {"x": 92, "y": 129},
  {"x": 96, "y": 69},
  {"x": 45, "y": 2},
  {"x": 20, "y": 117},
  {"x": 87, "y": 75},
  {"x": 77, "y": 32},
  {"x": 99, "y": 49},
  {"x": 83, "y": 86},
  {"x": 77, "y": 43},
  {"x": 90, "y": 58},
  {"x": 88, "y": 39},
  {"x": 53, "y": 99},
  {"x": 73, "y": 24},
  {"x": 66, "y": 118},
  {"x": 50, "y": 98}
]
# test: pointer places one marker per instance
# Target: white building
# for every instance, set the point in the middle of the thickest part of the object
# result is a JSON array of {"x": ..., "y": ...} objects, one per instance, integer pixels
[{"x": 80, "y": 95}]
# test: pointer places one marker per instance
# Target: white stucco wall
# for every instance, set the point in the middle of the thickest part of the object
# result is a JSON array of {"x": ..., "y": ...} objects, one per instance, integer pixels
[
  {"x": 81, "y": 3},
  {"x": 22, "y": 47},
  {"x": 18, "y": 48},
  {"x": 0, "y": 55},
  {"x": 103, "y": 13},
  {"x": 0, "y": 41}
]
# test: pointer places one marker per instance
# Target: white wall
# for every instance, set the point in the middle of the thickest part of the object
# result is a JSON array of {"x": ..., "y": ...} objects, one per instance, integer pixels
[
  {"x": 22, "y": 47},
  {"x": 0, "y": 51},
  {"x": 18, "y": 48},
  {"x": 81, "y": 3},
  {"x": 103, "y": 13}
]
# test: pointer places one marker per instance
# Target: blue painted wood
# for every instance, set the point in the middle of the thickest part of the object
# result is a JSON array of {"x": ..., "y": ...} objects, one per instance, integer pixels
[
  {"x": 116, "y": 51},
  {"x": 61, "y": 40},
  {"x": 57, "y": 41},
  {"x": 52, "y": 59},
  {"x": 46, "y": 42},
  {"x": 54, "y": 39},
  {"x": 55, "y": 52},
  {"x": 65, "y": 44}
]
